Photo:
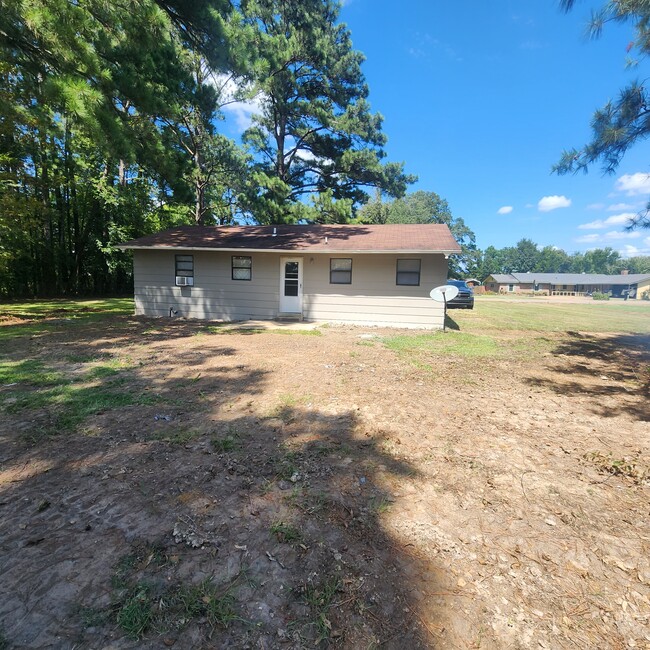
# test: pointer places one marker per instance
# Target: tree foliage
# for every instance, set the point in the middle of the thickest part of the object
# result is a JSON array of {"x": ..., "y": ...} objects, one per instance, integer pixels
[
  {"x": 625, "y": 121},
  {"x": 110, "y": 117},
  {"x": 109, "y": 128},
  {"x": 88, "y": 92},
  {"x": 316, "y": 136},
  {"x": 426, "y": 207},
  {"x": 526, "y": 256}
]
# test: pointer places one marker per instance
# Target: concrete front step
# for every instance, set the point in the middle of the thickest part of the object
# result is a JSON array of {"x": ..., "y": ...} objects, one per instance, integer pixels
[{"x": 293, "y": 318}]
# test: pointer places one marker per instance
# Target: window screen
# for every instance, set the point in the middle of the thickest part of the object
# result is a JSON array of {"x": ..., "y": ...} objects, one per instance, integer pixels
[
  {"x": 408, "y": 272},
  {"x": 242, "y": 267},
  {"x": 341, "y": 270}
]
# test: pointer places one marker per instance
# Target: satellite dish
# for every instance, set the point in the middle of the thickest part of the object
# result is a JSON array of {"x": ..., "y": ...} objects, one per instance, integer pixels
[{"x": 445, "y": 293}]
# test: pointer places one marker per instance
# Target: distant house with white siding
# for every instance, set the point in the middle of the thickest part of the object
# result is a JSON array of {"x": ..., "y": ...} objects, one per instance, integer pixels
[
  {"x": 570, "y": 284},
  {"x": 376, "y": 275}
]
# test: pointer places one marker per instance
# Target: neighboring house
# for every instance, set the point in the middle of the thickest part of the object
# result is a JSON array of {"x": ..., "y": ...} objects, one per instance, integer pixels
[
  {"x": 570, "y": 284},
  {"x": 377, "y": 275}
]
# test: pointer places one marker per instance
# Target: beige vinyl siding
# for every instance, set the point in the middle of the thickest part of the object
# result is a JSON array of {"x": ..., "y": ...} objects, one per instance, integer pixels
[
  {"x": 215, "y": 295},
  {"x": 373, "y": 297},
  {"x": 642, "y": 287}
]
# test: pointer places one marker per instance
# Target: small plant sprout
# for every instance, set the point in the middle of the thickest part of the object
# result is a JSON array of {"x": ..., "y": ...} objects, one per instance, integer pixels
[{"x": 286, "y": 533}]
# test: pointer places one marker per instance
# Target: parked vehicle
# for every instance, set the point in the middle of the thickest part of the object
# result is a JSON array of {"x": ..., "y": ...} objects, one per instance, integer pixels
[{"x": 465, "y": 297}]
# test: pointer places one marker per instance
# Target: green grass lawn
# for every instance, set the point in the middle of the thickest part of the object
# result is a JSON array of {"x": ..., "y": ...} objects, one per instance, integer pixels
[
  {"x": 500, "y": 329},
  {"x": 63, "y": 308},
  {"x": 605, "y": 316},
  {"x": 43, "y": 316}
]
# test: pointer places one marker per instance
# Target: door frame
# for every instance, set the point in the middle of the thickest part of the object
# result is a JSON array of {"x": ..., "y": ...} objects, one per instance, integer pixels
[{"x": 283, "y": 261}]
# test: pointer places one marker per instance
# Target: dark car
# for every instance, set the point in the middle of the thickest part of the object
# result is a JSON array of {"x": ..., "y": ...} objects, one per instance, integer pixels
[{"x": 465, "y": 297}]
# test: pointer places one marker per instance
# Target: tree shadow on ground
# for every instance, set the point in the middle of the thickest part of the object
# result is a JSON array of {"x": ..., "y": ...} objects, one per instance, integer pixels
[
  {"x": 215, "y": 524},
  {"x": 611, "y": 369},
  {"x": 97, "y": 324}
]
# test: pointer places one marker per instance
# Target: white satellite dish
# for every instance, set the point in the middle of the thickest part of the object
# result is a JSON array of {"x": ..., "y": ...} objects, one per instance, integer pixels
[{"x": 444, "y": 294}]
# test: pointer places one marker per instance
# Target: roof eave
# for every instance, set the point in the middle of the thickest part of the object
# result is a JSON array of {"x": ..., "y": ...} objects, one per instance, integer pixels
[{"x": 293, "y": 250}]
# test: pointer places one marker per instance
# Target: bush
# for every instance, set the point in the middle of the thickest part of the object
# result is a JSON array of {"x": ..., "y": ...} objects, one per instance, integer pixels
[
  {"x": 598, "y": 295},
  {"x": 645, "y": 295}
]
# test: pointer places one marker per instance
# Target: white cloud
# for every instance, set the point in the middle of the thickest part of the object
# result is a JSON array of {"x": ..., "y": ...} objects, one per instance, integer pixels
[
  {"x": 624, "y": 249},
  {"x": 302, "y": 153},
  {"x": 614, "y": 220},
  {"x": 505, "y": 209},
  {"x": 617, "y": 234},
  {"x": 306, "y": 155},
  {"x": 593, "y": 225},
  {"x": 548, "y": 203},
  {"x": 634, "y": 184},
  {"x": 609, "y": 237},
  {"x": 588, "y": 239},
  {"x": 642, "y": 248},
  {"x": 621, "y": 206},
  {"x": 630, "y": 251},
  {"x": 243, "y": 113},
  {"x": 236, "y": 102},
  {"x": 425, "y": 45}
]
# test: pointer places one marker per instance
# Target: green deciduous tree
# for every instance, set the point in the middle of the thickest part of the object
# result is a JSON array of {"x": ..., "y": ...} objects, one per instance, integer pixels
[
  {"x": 553, "y": 260},
  {"x": 637, "y": 264},
  {"x": 526, "y": 256},
  {"x": 623, "y": 122},
  {"x": 598, "y": 260},
  {"x": 109, "y": 128},
  {"x": 491, "y": 261}
]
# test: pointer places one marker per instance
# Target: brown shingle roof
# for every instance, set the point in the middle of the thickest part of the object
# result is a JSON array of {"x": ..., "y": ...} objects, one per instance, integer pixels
[{"x": 392, "y": 237}]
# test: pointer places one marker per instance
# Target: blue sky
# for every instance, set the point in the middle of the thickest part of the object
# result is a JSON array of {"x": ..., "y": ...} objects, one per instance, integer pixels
[{"x": 480, "y": 98}]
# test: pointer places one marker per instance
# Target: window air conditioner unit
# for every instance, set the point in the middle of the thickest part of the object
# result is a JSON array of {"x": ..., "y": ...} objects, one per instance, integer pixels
[{"x": 183, "y": 281}]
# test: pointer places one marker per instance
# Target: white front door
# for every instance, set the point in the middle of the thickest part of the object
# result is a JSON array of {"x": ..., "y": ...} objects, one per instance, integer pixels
[{"x": 291, "y": 285}]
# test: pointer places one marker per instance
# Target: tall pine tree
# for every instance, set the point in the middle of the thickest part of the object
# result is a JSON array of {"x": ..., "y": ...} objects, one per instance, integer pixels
[
  {"x": 621, "y": 123},
  {"x": 316, "y": 136}
]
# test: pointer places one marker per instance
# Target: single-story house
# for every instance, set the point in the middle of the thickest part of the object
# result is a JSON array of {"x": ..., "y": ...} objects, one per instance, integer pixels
[
  {"x": 571, "y": 284},
  {"x": 371, "y": 275}
]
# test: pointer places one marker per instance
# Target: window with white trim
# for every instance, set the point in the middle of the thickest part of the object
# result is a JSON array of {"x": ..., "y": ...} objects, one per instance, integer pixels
[
  {"x": 242, "y": 267},
  {"x": 408, "y": 272},
  {"x": 341, "y": 270}
]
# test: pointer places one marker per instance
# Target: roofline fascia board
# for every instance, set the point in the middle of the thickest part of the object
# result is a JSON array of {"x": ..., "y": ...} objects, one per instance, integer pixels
[{"x": 294, "y": 251}]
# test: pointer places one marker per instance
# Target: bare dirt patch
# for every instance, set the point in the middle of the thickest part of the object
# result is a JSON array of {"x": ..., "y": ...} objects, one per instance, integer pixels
[{"x": 164, "y": 484}]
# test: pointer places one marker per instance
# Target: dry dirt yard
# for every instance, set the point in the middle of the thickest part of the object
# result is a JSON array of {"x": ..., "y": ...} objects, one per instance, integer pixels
[{"x": 185, "y": 485}]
